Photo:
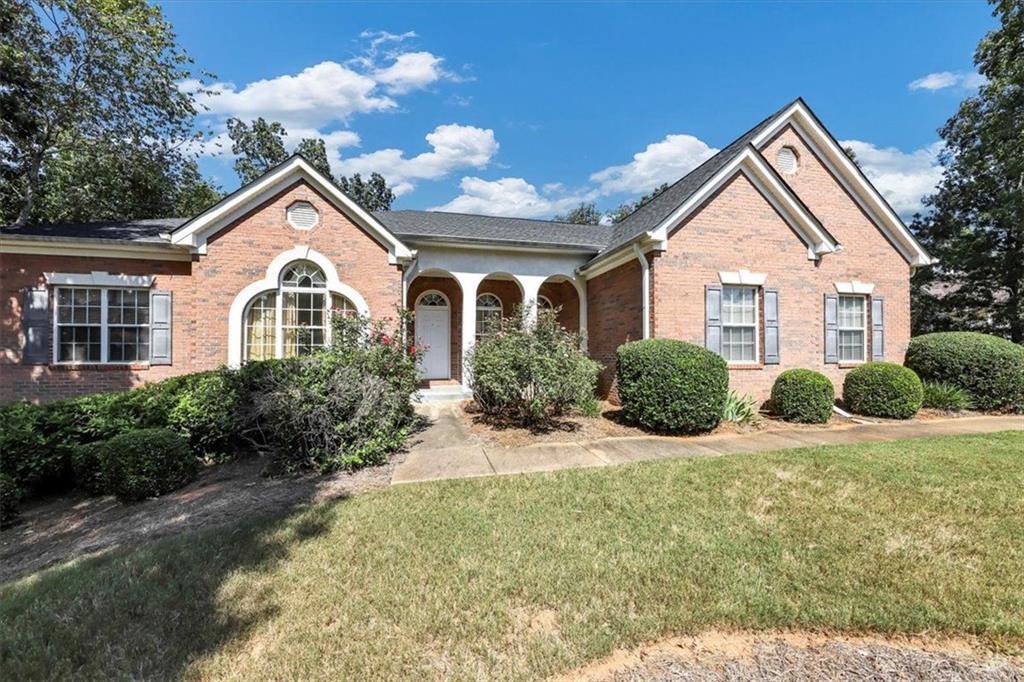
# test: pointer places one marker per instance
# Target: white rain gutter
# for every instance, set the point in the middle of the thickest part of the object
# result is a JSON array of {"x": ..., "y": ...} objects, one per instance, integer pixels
[{"x": 645, "y": 288}]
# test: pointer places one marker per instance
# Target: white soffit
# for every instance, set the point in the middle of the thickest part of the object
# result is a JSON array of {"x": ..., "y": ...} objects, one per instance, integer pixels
[
  {"x": 98, "y": 279},
  {"x": 743, "y": 278}
]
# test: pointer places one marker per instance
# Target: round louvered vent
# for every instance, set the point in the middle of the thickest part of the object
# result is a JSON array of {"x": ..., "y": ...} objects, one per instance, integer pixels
[
  {"x": 303, "y": 215},
  {"x": 787, "y": 160}
]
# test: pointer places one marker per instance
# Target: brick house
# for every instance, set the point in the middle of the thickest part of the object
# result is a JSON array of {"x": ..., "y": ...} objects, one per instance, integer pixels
[{"x": 776, "y": 253}]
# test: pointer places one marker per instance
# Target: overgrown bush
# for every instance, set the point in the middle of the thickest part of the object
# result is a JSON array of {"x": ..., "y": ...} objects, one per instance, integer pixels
[
  {"x": 803, "y": 395},
  {"x": 10, "y": 497},
  {"x": 25, "y": 452},
  {"x": 345, "y": 407},
  {"x": 204, "y": 411},
  {"x": 672, "y": 385},
  {"x": 883, "y": 389},
  {"x": 532, "y": 374},
  {"x": 941, "y": 396},
  {"x": 146, "y": 463},
  {"x": 740, "y": 409},
  {"x": 87, "y": 467},
  {"x": 989, "y": 368}
]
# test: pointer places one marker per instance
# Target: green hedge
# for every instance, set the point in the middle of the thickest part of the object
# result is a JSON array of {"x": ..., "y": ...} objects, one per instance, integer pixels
[
  {"x": 989, "y": 368},
  {"x": 883, "y": 389},
  {"x": 146, "y": 463},
  {"x": 10, "y": 496},
  {"x": 671, "y": 385},
  {"x": 803, "y": 395}
]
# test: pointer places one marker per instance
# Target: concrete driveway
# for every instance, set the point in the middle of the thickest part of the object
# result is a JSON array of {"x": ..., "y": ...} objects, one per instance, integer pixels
[{"x": 446, "y": 450}]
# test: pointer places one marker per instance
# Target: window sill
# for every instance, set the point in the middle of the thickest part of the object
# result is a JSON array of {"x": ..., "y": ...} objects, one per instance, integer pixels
[
  {"x": 99, "y": 366},
  {"x": 745, "y": 366},
  {"x": 850, "y": 365}
]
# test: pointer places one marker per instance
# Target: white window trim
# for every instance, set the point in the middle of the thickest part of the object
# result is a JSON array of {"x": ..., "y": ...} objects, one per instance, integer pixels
[
  {"x": 855, "y": 287},
  {"x": 756, "y": 325},
  {"x": 501, "y": 310},
  {"x": 742, "y": 277},
  {"x": 863, "y": 329},
  {"x": 103, "y": 325},
  {"x": 419, "y": 298},
  {"x": 547, "y": 300}
]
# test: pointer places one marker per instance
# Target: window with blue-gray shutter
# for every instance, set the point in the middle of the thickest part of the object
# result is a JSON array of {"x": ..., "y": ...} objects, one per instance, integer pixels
[
  {"x": 877, "y": 328},
  {"x": 831, "y": 328},
  {"x": 713, "y": 318},
  {"x": 160, "y": 328},
  {"x": 35, "y": 325},
  {"x": 771, "y": 326}
]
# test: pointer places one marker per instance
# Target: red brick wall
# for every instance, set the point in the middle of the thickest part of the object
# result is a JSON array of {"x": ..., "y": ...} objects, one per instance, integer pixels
[
  {"x": 450, "y": 288},
  {"x": 506, "y": 290},
  {"x": 614, "y": 314},
  {"x": 738, "y": 228},
  {"x": 563, "y": 295},
  {"x": 203, "y": 292}
]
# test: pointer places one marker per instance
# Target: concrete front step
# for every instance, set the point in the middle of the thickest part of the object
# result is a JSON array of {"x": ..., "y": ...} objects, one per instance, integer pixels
[{"x": 443, "y": 393}]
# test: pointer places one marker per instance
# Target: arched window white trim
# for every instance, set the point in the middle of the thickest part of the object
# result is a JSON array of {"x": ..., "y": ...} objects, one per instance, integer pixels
[
  {"x": 240, "y": 306},
  {"x": 489, "y": 309},
  {"x": 544, "y": 303},
  {"x": 433, "y": 299}
]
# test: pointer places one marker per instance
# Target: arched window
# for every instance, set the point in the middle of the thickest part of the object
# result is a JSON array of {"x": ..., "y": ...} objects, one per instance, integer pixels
[
  {"x": 544, "y": 303},
  {"x": 488, "y": 314},
  {"x": 295, "y": 319},
  {"x": 432, "y": 299}
]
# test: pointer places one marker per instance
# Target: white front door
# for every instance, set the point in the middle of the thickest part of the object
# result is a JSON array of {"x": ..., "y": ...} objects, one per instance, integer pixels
[{"x": 433, "y": 326}]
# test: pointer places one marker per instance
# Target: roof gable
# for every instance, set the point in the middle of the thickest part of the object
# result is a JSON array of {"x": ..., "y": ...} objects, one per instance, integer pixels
[{"x": 195, "y": 231}]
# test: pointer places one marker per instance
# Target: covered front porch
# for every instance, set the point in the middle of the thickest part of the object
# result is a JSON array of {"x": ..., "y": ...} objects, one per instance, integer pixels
[{"x": 457, "y": 296}]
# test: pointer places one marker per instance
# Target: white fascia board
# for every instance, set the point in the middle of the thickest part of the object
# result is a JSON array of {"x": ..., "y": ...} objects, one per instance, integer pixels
[
  {"x": 840, "y": 165},
  {"x": 82, "y": 248},
  {"x": 755, "y": 168},
  {"x": 194, "y": 232},
  {"x": 98, "y": 279}
]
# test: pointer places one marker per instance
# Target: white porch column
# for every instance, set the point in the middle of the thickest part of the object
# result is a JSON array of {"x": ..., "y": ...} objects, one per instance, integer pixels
[
  {"x": 531, "y": 289},
  {"x": 580, "y": 285},
  {"x": 468, "y": 281}
]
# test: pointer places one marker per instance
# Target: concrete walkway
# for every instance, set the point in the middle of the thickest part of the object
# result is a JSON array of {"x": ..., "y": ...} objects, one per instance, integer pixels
[{"x": 446, "y": 450}]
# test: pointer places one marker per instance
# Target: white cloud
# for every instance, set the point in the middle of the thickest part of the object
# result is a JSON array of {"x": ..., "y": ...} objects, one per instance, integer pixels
[
  {"x": 664, "y": 161},
  {"x": 507, "y": 197},
  {"x": 902, "y": 178},
  {"x": 410, "y": 71},
  {"x": 454, "y": 147},
  {"x": 941, "y": 80}
]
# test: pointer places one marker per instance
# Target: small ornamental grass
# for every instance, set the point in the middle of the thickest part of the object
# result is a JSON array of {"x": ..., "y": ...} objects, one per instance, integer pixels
[
  {"x": 883, "y": 389},
  {"x": 670, "y": 385},
  {"x": 803, "y": 395},
  {"x": 941, "y": 396},
  {"x": 740, "y": 409},
  {"x": 989, "y": 368},
  {"x": 532, "y": 374}
]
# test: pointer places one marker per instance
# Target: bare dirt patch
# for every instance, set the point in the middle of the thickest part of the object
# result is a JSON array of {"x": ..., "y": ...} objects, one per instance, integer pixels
[
  {"x": 73, "y": 526},
  {"x": 773, "y": 656}
]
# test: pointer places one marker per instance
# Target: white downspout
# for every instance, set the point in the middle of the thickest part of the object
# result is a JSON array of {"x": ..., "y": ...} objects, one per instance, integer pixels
[{"x": 645, "y": 289}]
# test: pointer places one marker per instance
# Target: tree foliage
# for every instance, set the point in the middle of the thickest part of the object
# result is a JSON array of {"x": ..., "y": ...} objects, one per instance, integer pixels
[
  {"x": 584, "y": 214},
  {"x": 976, "y": 225},
  {"x": 92, "y": 120},
  {"x": 624, "y": 210},
  {"x": 373, "y": 194}
]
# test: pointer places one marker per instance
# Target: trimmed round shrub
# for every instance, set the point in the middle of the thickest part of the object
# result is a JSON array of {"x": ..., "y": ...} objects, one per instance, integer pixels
[
  {"x": 883, "y": 389},
  {"x": 989, "y": 368},
  {"x": 671, "y": 385},
  {"x": 10, "y": 496},
  {"x": 145, "y": 463},
  {"x": 803, "y": 395},
  {"x": 87, "y": 467}
]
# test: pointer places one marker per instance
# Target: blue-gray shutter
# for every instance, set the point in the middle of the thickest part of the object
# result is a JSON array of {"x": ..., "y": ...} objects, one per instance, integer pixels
[
  {"x": 713, "y": 318},
  {"x": 771, "y": 326},
  {"x": 35, "y": 324},
  {"x": 877, "y": 328},
  {"x": 160, "y": 328},
  {"x": 831, "y": 328}
]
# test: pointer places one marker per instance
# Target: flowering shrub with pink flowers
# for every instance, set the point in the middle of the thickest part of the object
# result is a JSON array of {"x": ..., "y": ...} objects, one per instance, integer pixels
[{"x": 344, "y": 407}]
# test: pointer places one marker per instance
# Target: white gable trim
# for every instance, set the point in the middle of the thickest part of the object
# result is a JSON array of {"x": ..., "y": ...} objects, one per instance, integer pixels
[
  {"x": 195, "y": 232},
  {"x": 753, "y": 166},
  {"x": 839, "y": 164}
]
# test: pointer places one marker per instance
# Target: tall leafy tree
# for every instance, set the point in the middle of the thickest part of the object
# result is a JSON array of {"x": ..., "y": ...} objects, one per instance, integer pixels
[
  {"x": 84, "y": 80},
  {"x": 373, "y": 194},
  {"x": 315, "y": 151},
  {"x": 976, "y": 223},
  {"x": 584, "y": 214},
  {"x": 623, "y": 211}
]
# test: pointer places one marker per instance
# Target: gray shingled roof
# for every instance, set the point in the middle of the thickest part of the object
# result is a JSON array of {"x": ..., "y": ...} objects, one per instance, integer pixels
[
  {"x": 148, "y": 230},
  {"x": 651, "y": 214},
  {"x": 441, "y": 226}
]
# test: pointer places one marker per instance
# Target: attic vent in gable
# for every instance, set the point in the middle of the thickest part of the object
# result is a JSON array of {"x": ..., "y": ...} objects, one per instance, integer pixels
[
  {"x": 302, "y": 215},
  {"x": 787, "y": 160}
]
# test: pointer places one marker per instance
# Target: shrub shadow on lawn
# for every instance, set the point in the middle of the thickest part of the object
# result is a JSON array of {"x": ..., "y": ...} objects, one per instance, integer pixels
[{"x": 151, "y": 610}]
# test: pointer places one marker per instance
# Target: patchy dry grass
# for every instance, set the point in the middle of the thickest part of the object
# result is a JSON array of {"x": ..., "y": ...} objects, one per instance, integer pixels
[{"x": 520, "y": 577}]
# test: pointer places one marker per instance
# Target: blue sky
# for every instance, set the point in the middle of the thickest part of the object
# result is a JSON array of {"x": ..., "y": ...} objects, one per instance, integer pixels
[{"x": 528, "y": 108}]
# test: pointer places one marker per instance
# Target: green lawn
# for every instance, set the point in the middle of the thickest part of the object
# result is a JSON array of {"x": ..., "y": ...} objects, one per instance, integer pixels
[{"x": 520, "y": 577}]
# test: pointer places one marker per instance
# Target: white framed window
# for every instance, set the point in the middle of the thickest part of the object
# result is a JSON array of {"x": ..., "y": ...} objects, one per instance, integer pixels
[
  {"x": 544, "y": 303},
  {"x": 852, "y": 327},
  {"x": 101, "y": 325},
  {"x": 295, "y": 319},
  {"x": 488, "y": 314},
  {"x": 739, "y": 324}
]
